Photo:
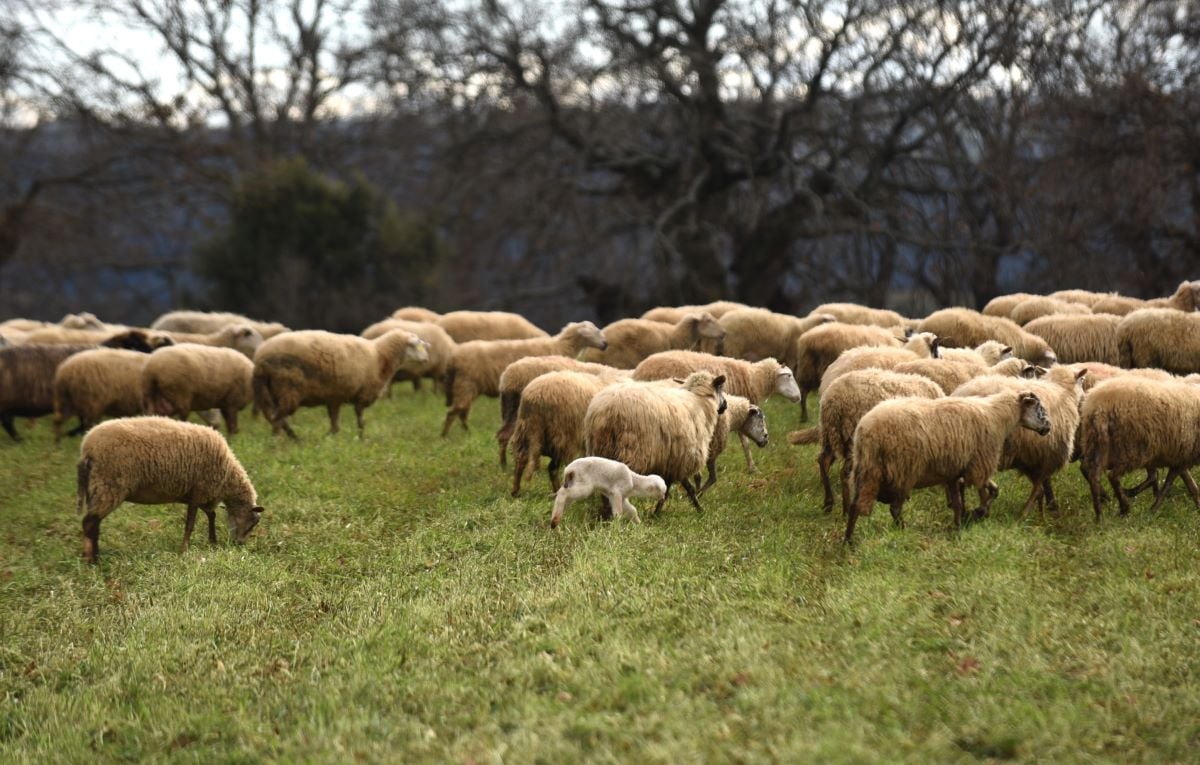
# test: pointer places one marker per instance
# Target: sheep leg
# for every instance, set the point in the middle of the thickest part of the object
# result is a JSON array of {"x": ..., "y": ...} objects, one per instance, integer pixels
[
  {"x": 230, "y": 415},
  {"x": 630, "y": 511},
  {"x": 1161, "y": 494},
  {"x": 824, "y": 461},
  {"x": 1114, "y": 480},
  {"x": 987, "y": 495},
  {"x": 503, "y": 436},
  {"x": 712, "y": 477},
  {"x": 287, "y": 428},
  {"x": 750, "y": 466},
  {"x": 897, "y": 509},
  {"x": 1048, "y": 495},
  {"x": 6, "y": 420},
  {"x": 188, "y": 525},
  {"x": 519, "y": 464},
  {"x": 91, "y": 537},
  {"x": 1191, "y": 486},
  {"x": 450, "y": 413},
  {"x": 954, "y": 494},
  {"x": 1034, "y": 494},
  {"x": 658, "y": 506},
  {"x": 335, "y": 413},
  {"x": 804, "y": 408},
  {"x": 1150, "y": 482},
  {"x": 552, "y": 471},
  {"x": 691, "y": 492},
  {"x": 565, "y": 497},
  {"x": 359, "y": 408},
  {"x": 211, "y": 512},
  {"x": 864, "y": 498},
  {"x": 1093, "y": 477}
]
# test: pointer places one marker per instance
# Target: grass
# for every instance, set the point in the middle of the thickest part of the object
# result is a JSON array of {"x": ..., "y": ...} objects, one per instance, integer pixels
[{"x": 396, "y": 605}]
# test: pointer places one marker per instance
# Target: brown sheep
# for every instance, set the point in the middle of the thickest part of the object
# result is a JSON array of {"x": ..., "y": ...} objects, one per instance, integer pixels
[
  {"x": 632, "y": 340},
  {"x": 819, "y": 347},
  {"x": 549, "y": 423},
  {"x": 465, "y": 326},
  {"x": 1080, "y": 338},
  {"x": 1160, "y": 337},
  {"x": 963, "y": 327},
  {"x": 757, "y": 381},
  {"x": 754, "y": 334},
  {"x": 188, "y": 378},
  {"x": 97, "y": 383}
]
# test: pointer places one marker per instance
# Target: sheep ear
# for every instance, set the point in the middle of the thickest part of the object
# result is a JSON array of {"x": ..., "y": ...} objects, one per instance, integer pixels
[
  {"x": 718, "y": 381},
  {"x": 1006, "y": 349},
  {"x": 1080, "y": 374},
  {"x": 908, "y": 332},
  {"x": 945, "y": 342},
  {"x": 256, "y": 509}
]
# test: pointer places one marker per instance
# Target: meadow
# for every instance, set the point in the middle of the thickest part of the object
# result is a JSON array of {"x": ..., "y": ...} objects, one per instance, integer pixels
[{"x": 397, "y": 605}]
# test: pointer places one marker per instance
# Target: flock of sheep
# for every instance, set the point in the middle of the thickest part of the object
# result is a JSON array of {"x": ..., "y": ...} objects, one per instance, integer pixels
[{"x": 1028, "y": 384}]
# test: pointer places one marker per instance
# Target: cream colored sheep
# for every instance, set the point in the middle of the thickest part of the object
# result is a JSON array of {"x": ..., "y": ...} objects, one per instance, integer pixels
[
  {"x": 819, "y": 347},
  {"x": 1186, "y": 298},
  {"x": 153, "y": 461},
  {"x": 588, "y": 475},
  {"x": 83, "y": 320},
  {"x": 1132, "y": 422},
  {"x": 852, "y": 313},
  {"x": 131, "y": 339},
  {"x": 742, "y": 418},
  {"x": 1080, "y": 338},
  {"x": 313, "y": 368},
  {"x": 716, "y": 309},
  {"x": 756, "y": 381},
  {"x": 962, "y": 327},
  {"x": 465, "y": 326},
  {"x": 656, "y": 428},
  {"x": 416, "y": 313},
  {"x": 1002, "y": 305},
  {"x": 439, "y": 346},
  {"x": 27, "y": 381},
  {"x": 1086, "y": 297},
  {"x": 632, "y": 340},
  {"x": 207, "y": 322},
  {"x": 948, "y": 375},
  {"x": 189, "y": 378},
  {"x": 911, "y": 443},
  {"x": 1160, "y": 337},
  {"x": 521, "y": 372},
  {"x": 843, "y": 404},
  {"x": 475, "y": 367},
  {"x": 987, "y": 353},
  {"x": 1037, "y": 307},
  {"x": 753, "y": 334},
  {"x": 242, "y": 338},
  {"x": 549, "y": 422},
  {"x": 921, "y": 345},
  {"x": 97, "y": 383}
]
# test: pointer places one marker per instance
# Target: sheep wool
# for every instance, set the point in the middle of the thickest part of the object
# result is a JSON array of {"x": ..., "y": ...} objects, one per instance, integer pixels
[
  {"x": 963, "y": 327},
  {"x": 632, "y": 340},
  {"x": 756, "y": 381},
  {"x": 465, "y": 326},
  {"x": 1037, "y": 307},
  {"x": 205, "y": 322},
  {"x": 439, "y": 346},
  {"x": 549, "y": 423},
  {"x": 716, "y": 309},
  {"x": 187, "y": 378},
  {"x": 97, "y": 383},
  {"x": 921, "y": 345},
  {"x": 754, "y": 334},
  {"x": 155, "y": 460},
  {"x": 416, "y": 313},
  {"x": 1160, "y": 337},
  {"x": 242, "y": 338},
  {"x": 819, "y": 347},
  {"x": 27, "y": 381},
  {"x": 742, "y": 418},
  {"x": 1002, "y": 305},
  {"x": 1078, "y": 338},
  {"x": 588, "y": 475},
  {"x": 852, "y": 313},
  {"x": 1085, "y": 297}
]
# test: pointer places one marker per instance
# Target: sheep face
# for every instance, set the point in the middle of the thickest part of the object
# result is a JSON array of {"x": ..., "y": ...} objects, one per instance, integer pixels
[
  {"x": 246, "y": 339},
  {"x": 1032, "y": 372},
  {"x": 755, "y": 427},
  {"x": 707, "y": 327},
  {"x": 651, "y": 486},
  {"x": 919, "y": 341},
  {"x": 590, "y": 334},
  {"x": 785, "y": 385},
  {"x": 718, "y": 386},
  {"x": 1033, "y": 414},
  {"x": 417, "y": 350},
  {"x": 241, "y": 520}
]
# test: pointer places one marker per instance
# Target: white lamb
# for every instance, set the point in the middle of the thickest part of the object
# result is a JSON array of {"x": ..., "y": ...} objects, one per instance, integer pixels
[{"x": 587, "y": 475}]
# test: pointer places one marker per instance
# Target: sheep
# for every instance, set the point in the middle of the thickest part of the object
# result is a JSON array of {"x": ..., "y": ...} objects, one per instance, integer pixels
[
  {"x": 439, "y": 346},
  {"x": 963, "y": 327},
  {"x": 464, "y": 326},
  {"x": 475, "y": 366},
  {"x": 1037, "y": 307},
  {"x": 843, "y": 404},
  {"x": 756, "y": 333},
  {"x": 204, "y": 322},
  {"x": 911, "y": 443},
  {"x": 243, "y": 338},
  {"x": 1037, "y": 458},
  {"x": 632, "y": 340},
  {"x": 988, "y": 353},
  {"x": 155, "y": 460},
  {"x": 188, "y": 378},
  {"x": 948, "y": 375},
  {"x": 549, "y": 422},
  {"x": 744, "y": 419},
  {"x": 1002, "y": 305},
  {"x": 416, "y": 313},
  {"x": 922, "y": 345},
  {"x": 521, "y": 372},
  {"x": 587, "y": 475},
  {"x": 1098, "y": 372},
  {"x": 83, "y": 320},
  {"x": 96, "y": 383},
  {"x": 22, "y": 326},
  {"x": 313, "y": 367},
  {"x": 132, "y": 339},
  {"x": 852, "y": 313},
  {"x": 656, "y": 428},
  {"x": 1131, "y": 422},
  {"x": 819, "y": 347},
  {"x": 1085, "y": 297},
  {"x": 1160, "y": 337},
  {"x": 1077, "y": 338},
  {"x": 1186, "y": 298},
  {"x": 756, "y": 381},
  {"x": 716, "y": 309}
]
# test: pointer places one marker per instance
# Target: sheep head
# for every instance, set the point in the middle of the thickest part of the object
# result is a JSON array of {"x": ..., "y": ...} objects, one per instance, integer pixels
[
  {"x": 586, "y": 333},
  {"x": 1033, "y": 414},
  {"x": 755, "y": 426},
  {"x": 785, "y": 384},
  {"x": 241, "y": 518}
]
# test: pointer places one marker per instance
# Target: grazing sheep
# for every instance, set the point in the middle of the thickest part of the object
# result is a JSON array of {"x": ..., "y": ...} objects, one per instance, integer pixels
[
  {"x": 1002, "y": 305},
  {"x": 744, "y": 419},
  {"x": 819, "y": 347},
  {"x": 313, "y": 367},
  {"x": 852, "y": 313},
  {"x": 1079, "y": 338},
  {"x": 242, "y": 338},
  {"x": 1036, "y": 457},
  {"x": 153, "y": 461},
  {"x": 188, "y": 378},
  {"x": 475, "y": 367},
  {"x": 83, "y": 320},
  {"x": 1098, "y": 372},
  {"x": 439, "y": 346},
  {"x": 1186, "y": 299},
  {"x": 922, "y": 345},
  {"x": 132, "y": 339},
  {"x": 521, "y": 372},
  {"x": 948, "y": 375},
  {"x": 843, "y": 404},
  {"x": 756, "y": 333},
  {"x": 1085, "y": 297},
  {"x": 911, "y": 443},
  {"x": 204, "y": 322},
  {"x": 549, "y": 422},
  {"x": 656, "y": 428},
  {"x": 716, "y": 309},
  {"x": 97, "y": 383},
  {"x": 416, "y": 313},
  {"x": 1160, "y": 337},
  {"x": 1132, "y": 422},
  {"x": 1037, "y": 307},
  {"x": 587, "y": 475},
  {"x": 756, "y": 381},
  {"x": 464, "y": 326},
  {"x": 987, "y": 353},
  {"x": 632, "y": 340},
  {"x": 963, "y": 327}
]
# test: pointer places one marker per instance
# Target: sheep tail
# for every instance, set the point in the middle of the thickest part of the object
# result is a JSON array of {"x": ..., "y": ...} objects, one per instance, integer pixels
[
  {"x": 83, "y": 475},
  {"x": 448, "y": 383},
  {"x": 264, "y": 401},
  {"x": 568, "y": 479},
  {"x": 1125, "y": 349},
  {"x": 806, "y": 436},
  {"x": 509, "y": 403}
]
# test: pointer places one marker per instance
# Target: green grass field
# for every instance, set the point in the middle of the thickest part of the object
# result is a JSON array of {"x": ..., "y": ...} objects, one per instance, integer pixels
[{"x": 396, "y": 605}]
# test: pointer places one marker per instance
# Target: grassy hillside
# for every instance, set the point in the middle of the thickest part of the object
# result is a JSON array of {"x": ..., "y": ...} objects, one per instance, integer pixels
[{"x": 396, "y": 605}]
